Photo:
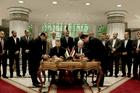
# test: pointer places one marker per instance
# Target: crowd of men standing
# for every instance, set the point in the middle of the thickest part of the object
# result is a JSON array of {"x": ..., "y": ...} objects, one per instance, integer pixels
[{"x": 108, "y": 51}]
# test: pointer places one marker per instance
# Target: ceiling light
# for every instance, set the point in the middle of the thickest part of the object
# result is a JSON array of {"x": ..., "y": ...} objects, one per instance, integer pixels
[
  {"x": 119, "y": 5},
  {"x": 54, "y": 2},
  {"x": 87, "y": 3},
  {"x": 20, "y": 1}
]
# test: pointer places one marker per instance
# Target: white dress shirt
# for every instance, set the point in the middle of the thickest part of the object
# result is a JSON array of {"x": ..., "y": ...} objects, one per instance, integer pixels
[
  {"x": 138, "y": 44},
  {"x": 53, "y": 43},
  {"x": 125, "y": 43},
  {"x": 114, "y": 41}
]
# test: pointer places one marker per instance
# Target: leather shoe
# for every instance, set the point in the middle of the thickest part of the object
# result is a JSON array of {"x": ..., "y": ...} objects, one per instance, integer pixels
[
  {"x": 4, "y": 76},
  {"x": 116, "y": 76},
  {"x": 36, "y": 85},
  {"x": 19, "y": 75}
]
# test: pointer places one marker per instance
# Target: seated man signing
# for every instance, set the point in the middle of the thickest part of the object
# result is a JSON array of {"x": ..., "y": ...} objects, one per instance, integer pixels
[{"x": 56, "y": 51}]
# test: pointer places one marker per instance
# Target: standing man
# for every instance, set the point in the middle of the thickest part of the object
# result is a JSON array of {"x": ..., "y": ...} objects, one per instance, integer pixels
[
  {"x": 76, "y": 39},
  {"x": 126, "y": 54},
  {"x": 67, "y": 41},
  {"x": 114, "y": 46},
  {"x": 136, "y": 63},
  {"x": 13, "y": 46},
  {"x": 3, "y": 54},
  {"x": 25, "y": 44},
  {"x": 37, "y": 50},
  {"x": 94, "y": 51}
]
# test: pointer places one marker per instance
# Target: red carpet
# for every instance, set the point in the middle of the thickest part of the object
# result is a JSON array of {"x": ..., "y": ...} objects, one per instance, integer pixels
[
  {"x": 74, "y": 89},
  {"x": 130, "y": 86},
  {"x": 8, "y": 88}
]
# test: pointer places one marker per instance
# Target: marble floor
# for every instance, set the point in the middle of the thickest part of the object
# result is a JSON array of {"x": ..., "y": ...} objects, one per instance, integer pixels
[{"x": 25, "y": 83}]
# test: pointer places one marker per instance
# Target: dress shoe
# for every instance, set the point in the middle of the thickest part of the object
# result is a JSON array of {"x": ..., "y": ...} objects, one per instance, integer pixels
[
  {"x": 123, "y": 75},
  {"x": 4, "y": 76},
  {"x": 19, "y": 75},
  {"x": 116, "y": 76},
  {"x": 133, "y": 78},
  {"x": 129, "y": 76},
  {"x": 36, "y": 85},
  {"x": 11, "y": 76}
]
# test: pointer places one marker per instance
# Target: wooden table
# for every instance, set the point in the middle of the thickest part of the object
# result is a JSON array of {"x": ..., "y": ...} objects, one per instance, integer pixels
[{"x": 70, "y": 66}]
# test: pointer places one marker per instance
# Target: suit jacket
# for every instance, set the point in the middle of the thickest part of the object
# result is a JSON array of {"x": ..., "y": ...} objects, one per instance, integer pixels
[
  {"x": 117, "y": 46},
  {"x": 37, "y": 49},
  {"x": 59, "y": 53},
  {"x": 94, "y": 49},
  {"x": 128, "y": 47},
  {"x": 24, "y": 43},
  {"x": 76, "y": 41},
  {"x": 66, "y": 44},
  {"x": 135, "y": 42},
  {"x": 4, "y": 47},
  {"x": 12, "y": 46}
]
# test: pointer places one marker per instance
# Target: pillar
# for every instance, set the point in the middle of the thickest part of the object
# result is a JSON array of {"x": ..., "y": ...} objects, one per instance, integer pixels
[
  {"x": 19, "y": 20},
  {"x": 116, "y": 22}
]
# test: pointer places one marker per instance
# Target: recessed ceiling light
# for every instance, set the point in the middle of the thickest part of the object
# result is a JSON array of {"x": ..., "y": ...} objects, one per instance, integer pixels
[
  {"x": 20, "y": 1},
  {"x": 87, "y": 3},
  {"x": 119, "y": 5},
  {"x": 54, "y": 2}
]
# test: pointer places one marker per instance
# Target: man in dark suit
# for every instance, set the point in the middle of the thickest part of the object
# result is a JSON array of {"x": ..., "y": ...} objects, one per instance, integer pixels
[
  {"x": 24, "y": 44},
  {"x": 37, "y": 51},
  {"x": 126, "y": 54},
  {"x": 67, "y": 41},
  {"x": 13, "y": 46},
  {"x": 106, "y": 53},
  {"x": 94, "y": 50},
  {"x": 76, "y": 39},
  {"x": 114, "y": 46},
  {"x": 136, "y": 53},
  {"x": 59, "y": 52},
  {"x": 3, "y": 54}
]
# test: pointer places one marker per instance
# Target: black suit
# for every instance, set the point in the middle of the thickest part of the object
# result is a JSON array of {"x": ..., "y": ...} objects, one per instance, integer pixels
[
  {"x": 60, "y": 51},
  {"x": 13, "y": 47},
  {"x": 37, "y": 49},
  {"x": 115, "y": 56},
  {"x": 94, "y": 49},
  {"x": 136, "y": 62},
  {"x": 126, "y": 59},
  {"x": 57, "y": 51},
  {"x": 76, "y": 39},
  {"x": 67, "y": 45},
  {"x": 3, "y": 57},
  {"x": 25, "y": 44}
]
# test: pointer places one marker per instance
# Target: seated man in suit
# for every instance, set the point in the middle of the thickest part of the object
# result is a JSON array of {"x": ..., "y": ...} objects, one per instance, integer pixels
[{"x": 59, "y": 52}]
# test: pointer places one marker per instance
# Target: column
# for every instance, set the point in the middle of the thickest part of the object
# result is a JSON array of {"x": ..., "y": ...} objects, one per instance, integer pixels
[
  {"x": 19, "y": 20},
  {"x": 116, "y": 22}
]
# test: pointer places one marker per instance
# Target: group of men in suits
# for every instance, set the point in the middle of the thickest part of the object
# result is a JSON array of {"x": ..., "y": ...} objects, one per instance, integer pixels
[
  {"x": 108, "y": 51},
  {"x": 122, "y": 53}
]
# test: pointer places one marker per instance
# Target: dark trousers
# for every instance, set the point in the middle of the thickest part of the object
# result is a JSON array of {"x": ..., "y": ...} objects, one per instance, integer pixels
[
  {"x": 116, "y": 60},
  {"x": 126, "y": 61},
  {"x": 25, "y": 60},
  {"x": 136, "y": 65},
  {"x": 33, "y": 69},
  {"x": 3, "y": 61},
  {"x": 14, "y": 58},
  {"x": 75, "y": 73}
]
